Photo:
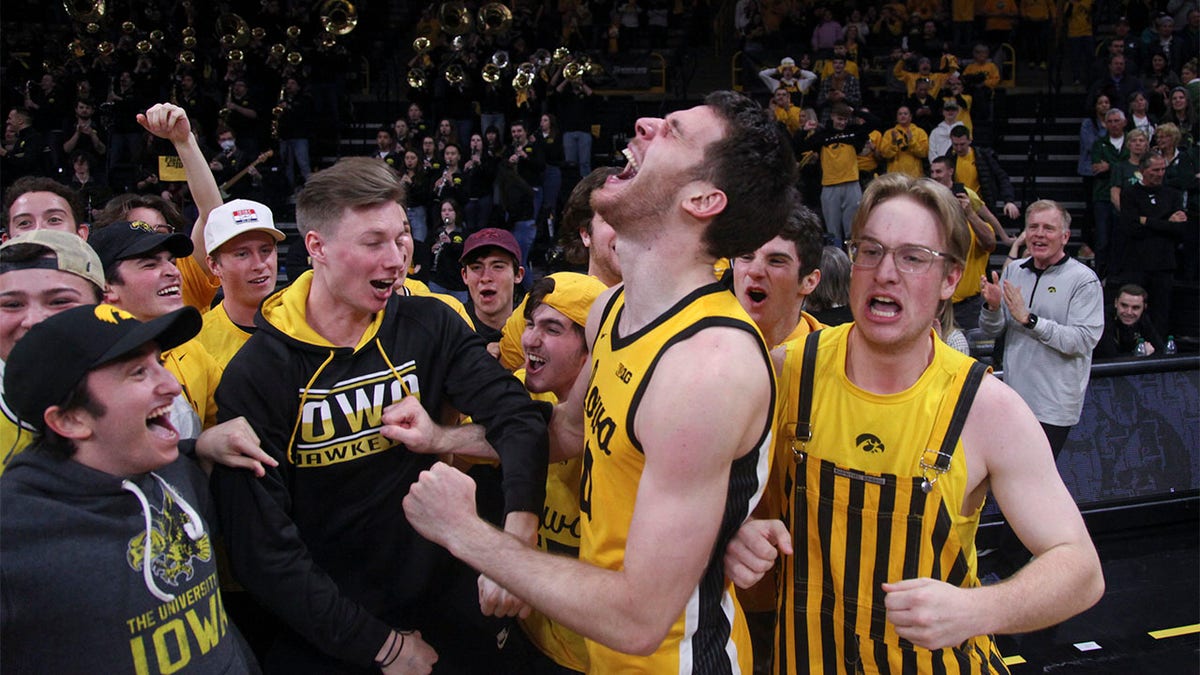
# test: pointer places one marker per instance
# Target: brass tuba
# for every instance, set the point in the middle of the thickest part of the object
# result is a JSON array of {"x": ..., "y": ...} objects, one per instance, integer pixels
[
  {"x": 574, "y": 71},
  {"x": 85, "y": 11},
  {"x": 338, "y": 17},
  {"x": 234, "y": 30},
  {"x": 455, "y": 74},
  {"x": 494, "y": 18},
  {"x": 455, "y": 17},
  {"x": 416, "y": 78}
]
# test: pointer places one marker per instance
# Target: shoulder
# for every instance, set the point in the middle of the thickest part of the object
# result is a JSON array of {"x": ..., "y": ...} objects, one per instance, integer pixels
[{"x": 998, "y": 417}]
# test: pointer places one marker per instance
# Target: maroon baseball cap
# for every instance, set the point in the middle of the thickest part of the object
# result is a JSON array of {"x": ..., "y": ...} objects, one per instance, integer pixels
[{"x": 495, "y": 237}]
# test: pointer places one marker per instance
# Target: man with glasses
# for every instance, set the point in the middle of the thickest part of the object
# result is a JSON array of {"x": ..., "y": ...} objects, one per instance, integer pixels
[
  {"x": 887, "y": 467},
  {"x": 1050, "y": 308}
]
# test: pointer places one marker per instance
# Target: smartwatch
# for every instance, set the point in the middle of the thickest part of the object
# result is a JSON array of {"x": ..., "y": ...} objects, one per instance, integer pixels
[{"x": 1031, "y": 322}]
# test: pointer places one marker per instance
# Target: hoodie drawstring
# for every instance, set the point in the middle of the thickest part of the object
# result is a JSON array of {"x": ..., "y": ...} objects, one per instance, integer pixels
[
  {"x": 304, "y": 399},
  {"x": 194, "y": 529}
]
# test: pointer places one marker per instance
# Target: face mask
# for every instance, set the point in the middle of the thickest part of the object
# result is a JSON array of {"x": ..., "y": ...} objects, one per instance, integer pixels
[{"x": 227, "y": 145}]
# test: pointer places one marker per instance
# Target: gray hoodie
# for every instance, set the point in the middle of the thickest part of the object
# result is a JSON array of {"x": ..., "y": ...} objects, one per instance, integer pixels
[{"x": 100, "y": 573}]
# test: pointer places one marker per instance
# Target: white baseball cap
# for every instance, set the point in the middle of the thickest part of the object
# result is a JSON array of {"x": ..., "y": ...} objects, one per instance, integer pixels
[
  {"x": 238, "y": 217},
  {"x": 787, "y": 62}
]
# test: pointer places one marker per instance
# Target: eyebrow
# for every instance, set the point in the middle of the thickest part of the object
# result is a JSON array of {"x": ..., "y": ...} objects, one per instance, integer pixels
[{"x": 29, "y": 213}]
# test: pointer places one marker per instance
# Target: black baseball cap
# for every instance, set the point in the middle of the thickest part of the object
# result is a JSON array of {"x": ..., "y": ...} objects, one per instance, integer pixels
[
  {"x": 58, "y": 353},
  {"x": 124, "y": 240}
]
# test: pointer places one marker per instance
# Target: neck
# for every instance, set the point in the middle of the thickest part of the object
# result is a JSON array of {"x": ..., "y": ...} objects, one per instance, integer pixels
[
  {"x": 660, "y": 266},
  {"x": 492, "y": 320},
  {"x": 1051, "y": 263},
  {"x": 333, "y": 320},
  {"x": 887, "y": 370},
  {"x": 775, "y": 334},
  {"x": 240, "y": 311}
]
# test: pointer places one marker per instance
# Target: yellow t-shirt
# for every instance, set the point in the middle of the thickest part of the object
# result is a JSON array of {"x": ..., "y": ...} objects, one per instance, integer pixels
[
  {"x": 965, "y": 171},
  {"x": 199, "y": 287},
  {"x": 976, "y": 263},
  {"x": 199, "y": 374},
  {"x": 905, "y": 149},
  {"x": 221, "y": 337},
  {"x": 558, "y": 533}
]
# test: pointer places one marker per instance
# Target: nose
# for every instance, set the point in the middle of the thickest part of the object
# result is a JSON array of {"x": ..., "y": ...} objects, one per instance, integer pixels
[
  {"x": 166, "y": 382},
  {"x": 36, "y": 314},
  {"x": 647, "y": 127},
  {"x": 887, "y": 270},
  {"x": 394, "y": 256}
]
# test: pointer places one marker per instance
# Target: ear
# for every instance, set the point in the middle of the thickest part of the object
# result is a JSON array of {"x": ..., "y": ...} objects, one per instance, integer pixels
[
  {"x": 315, "y": 245},
  {"x": 705, "y": 201},
  {"x": 212, "y": 263},
  {"x": 587, "y": 238},
  {"x": 809, "y": 282},
  {"x": 463, "y": 271},
  {"x": 951, "y": 281},
  {"x": 84, "y": 231},
  {"x": 72, "y": 424},
  {"x": 520, "y": 274},
  {"x": 112, "y": 294}
]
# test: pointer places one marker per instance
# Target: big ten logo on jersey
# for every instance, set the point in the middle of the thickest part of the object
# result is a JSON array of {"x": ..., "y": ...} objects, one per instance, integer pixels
[
  {"x": 342, "y": 423},
  {"x": 600, "y": 429},
  {"x": 168, "y": 638},
  {"x": 624, "y": 374}
]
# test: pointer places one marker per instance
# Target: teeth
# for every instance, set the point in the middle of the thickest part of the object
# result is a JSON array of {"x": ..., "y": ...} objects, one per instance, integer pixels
[
  {"x": 169, "y": 290},
  {"x": 536, "y": 359},
  {"x": 630, "y": 158},
  {"x": 159, "y": 412}
]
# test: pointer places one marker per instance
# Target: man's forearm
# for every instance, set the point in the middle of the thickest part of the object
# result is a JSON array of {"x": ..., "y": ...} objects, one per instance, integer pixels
[{"x": 1060, "y": 583}]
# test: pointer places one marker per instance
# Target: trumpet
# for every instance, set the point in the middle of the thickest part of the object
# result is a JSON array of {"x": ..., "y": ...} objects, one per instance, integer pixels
[
  {"x": 491, "y": 73},
  {"x": 105, "y": 48},
  {"x": 560, "y": 56},
  {"x": 500, "y": 59},
  {"x": 422, "y": 45},
  {"x": 128, "y": 27}
]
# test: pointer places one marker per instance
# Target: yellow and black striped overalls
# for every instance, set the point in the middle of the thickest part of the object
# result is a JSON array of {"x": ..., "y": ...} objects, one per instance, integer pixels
[{"x": 866, "y": 508}]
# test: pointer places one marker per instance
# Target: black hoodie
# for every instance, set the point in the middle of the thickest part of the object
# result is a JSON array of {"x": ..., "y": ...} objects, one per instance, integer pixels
[
  {"x": 76, "y": 594},
  {"x": 322, "y": 540}
]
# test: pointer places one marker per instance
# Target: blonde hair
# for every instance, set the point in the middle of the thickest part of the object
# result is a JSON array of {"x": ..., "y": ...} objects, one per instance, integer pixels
[
  {"x": 352, "y": 183},
  {"x": 935, "y": 197}
]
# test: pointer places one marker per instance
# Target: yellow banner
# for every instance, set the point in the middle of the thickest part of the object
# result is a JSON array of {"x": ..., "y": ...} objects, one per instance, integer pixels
[{"x": 170, "y": 169}]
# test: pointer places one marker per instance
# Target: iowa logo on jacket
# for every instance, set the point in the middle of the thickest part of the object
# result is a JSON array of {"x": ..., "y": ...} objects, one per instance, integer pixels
[
  {"x": 171, "y": 549},
  {"x": 342, "y": 423}
]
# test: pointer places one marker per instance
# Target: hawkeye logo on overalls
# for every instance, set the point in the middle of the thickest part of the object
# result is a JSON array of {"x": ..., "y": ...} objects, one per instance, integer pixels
[
  {"x": 869, "y": 443},
  {"x": 342, "y": 423}
]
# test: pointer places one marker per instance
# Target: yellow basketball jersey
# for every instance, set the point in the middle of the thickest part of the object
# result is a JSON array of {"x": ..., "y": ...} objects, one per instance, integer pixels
[
  {"x": 711, "y": 635},
  {"x": 874, "y": 496}
]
